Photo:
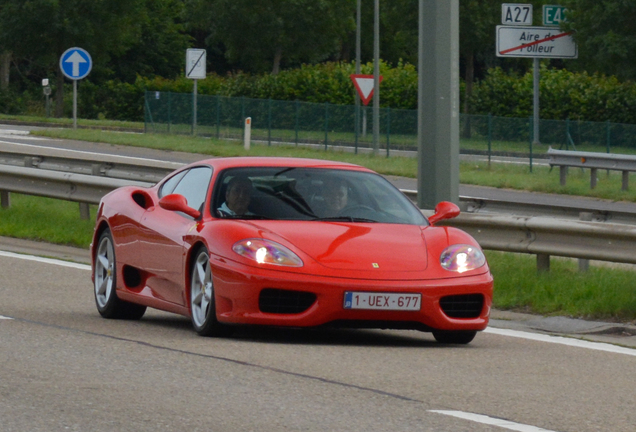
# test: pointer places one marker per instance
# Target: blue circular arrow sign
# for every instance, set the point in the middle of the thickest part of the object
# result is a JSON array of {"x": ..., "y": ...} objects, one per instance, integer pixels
[{"x": 76, "y": 63}]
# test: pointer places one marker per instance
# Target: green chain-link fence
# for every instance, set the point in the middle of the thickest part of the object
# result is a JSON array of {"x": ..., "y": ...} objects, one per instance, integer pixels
[{"x": 327, "y": 125}]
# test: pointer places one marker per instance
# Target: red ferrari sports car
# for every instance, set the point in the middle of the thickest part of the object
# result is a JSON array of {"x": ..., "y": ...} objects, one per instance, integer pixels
[{"x": 287, "y": 242}]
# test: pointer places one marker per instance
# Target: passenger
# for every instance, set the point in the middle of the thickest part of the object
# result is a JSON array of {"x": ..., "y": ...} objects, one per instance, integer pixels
[
  {"x": 336, "y": 195},
  {"x": 237, "y": 197}
]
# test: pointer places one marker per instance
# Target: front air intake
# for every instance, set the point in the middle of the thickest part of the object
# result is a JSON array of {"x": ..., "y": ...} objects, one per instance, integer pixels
[
  {"x": 280, "y": 301},
  {"x": 462, "y": 306}
]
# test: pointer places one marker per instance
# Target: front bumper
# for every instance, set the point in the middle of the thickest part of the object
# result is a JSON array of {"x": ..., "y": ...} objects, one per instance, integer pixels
[{"x": 237, "y": 300}]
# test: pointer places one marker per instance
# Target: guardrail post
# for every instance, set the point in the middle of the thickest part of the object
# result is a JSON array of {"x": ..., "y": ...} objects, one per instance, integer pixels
[
  {"x": 593, "y": 178},
  {"x": 625, "y": 186},
  {"x": 543, "y": 262},
  {"x": 584, "y": 264},
  {"x": 563, "y": 174},
  {"x": 85, "y": 211},
  {"x": 5, "y": 199}
]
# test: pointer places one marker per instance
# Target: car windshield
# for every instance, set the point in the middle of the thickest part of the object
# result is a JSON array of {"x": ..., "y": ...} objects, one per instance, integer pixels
[{"x": 311, "y": 194}]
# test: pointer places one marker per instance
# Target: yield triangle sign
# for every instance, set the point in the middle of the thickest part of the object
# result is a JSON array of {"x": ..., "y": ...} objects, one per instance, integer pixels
[{"x": 364, "y": 85}]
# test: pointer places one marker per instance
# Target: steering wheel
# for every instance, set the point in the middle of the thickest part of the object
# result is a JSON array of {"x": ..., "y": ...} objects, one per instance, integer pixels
[{"x": 356, "y": 208}]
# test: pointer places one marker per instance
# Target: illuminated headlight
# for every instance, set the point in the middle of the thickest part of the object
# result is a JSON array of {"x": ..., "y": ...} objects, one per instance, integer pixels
[
  {"x": 461, "y": 258},
  {"x": 267, "y": 252}
]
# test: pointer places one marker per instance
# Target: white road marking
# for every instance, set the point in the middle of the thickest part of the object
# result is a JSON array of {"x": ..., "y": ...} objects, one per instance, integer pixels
[
  {"x": 46, "y": 260},
  {"x": 599, "y": 346},
  {"x": 478, "y": 418},
  {"x": 132, "y": 158}
]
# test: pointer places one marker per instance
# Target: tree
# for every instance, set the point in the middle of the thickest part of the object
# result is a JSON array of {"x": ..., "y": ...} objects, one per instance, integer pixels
[
  {"x": 161, "y": 46},
  {"x": 271, "y": 32},
  {"x": 606, "y": 35},
  {"x": 41, "y": 30}
]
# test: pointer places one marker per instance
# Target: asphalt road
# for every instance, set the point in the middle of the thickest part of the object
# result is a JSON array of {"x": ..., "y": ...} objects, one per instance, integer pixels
[{"x": 64, "y": 368}]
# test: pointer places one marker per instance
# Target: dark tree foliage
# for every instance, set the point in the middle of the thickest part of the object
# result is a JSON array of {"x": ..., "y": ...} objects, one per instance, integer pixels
[
  {"x": 263, "y": 35},
  {"x": 606, "y": 35}
]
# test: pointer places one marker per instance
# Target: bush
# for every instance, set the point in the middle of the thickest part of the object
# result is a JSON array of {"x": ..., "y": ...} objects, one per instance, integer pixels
[{"x": 563, "y": 95}]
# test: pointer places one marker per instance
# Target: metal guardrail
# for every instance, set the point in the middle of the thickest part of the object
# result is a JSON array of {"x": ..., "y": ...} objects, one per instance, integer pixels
[
  {"x": 470, "y": 204},
  {"x": 68, "y": 161},
  {"x": 543, "y": 236},
  {"x": 532, "y": 234},
  {"x": 594, "y": 161},
  {"x": 80, "y": 188}
]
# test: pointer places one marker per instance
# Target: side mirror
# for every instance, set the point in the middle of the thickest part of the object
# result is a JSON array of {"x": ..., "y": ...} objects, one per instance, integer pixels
[
  {"x": 444, "y": 210},
  {"x": 176, "y": 202}
]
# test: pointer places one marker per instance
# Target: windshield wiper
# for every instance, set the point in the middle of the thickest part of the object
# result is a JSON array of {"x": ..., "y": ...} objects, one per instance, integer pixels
[
  {"x": 344, "y": 219},
  {"x": 245, "y": 216}
]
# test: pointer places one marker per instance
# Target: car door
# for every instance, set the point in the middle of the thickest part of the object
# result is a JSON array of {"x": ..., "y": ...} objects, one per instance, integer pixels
[{"x": 164, "y": 232}]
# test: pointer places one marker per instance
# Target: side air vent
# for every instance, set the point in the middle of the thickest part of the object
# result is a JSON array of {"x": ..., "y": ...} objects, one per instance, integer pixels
[
  {"x": 462, "y": 306},
  {"x": 142, "y": 199},
  {"x": 285, "y": 301},
  {"x": 132, "y": 277}
]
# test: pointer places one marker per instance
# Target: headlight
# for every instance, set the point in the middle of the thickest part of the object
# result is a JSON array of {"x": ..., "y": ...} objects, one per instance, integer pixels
[
  {"x": 461, "y": 258},
  {"x": 267, "y": 252}
]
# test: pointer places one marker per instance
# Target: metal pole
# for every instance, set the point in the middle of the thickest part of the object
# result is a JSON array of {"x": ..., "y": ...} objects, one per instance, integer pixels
[
  {"x": 74, "y": 104},
  {"x": 269, "y": 122},
  {"x": 376, "y": 78},
  {"x": 357, "y": 98},
  {"x": 296, "y": 126},
  {"x": 326, "y": 124},
  {"x": 438, "y": 103},
  {"x": 536, "y": 80},
  {"x": 489, "y": 138},
  {"x": 194, "y": 108},
  {"x": 169, "y": 110},
  {"x": 388, "y": 130},
  {"x": 218, "y": 116}
]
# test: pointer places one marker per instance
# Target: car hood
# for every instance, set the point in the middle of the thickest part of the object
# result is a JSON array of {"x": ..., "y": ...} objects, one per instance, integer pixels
[{"x": 353, "y": 246}]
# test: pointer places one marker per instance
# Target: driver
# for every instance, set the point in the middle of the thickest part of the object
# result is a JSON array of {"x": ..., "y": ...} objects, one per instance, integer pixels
[
  {"x": 237, "y": 197},
  {"x": 336, "y": 195}
]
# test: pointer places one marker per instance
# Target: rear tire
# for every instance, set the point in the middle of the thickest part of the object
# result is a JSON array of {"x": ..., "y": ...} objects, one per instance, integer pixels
[
  {"x": 202, "y": 304},
  {"x": 454, "y": 337},
  {"x": 106, "y": 300}
]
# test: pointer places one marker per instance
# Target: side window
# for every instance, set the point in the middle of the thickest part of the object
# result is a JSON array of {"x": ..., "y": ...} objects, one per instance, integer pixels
[
  {"x": 170, "y": 184},
  {"x": 194, "y": 186}
]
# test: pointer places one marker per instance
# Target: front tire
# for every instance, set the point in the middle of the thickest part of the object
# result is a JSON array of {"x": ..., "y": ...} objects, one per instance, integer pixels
[
  {"x": 106, "y": 300},
  {"x": 454, "y": 337},
  {"x": 202, "y": 304}
]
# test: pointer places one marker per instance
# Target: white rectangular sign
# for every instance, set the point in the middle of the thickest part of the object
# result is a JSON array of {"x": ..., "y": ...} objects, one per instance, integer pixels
[
  {"x": 516, "y": 14},
  {"x": 540, "y": 42},
  {"x": 195, "y": 63}
]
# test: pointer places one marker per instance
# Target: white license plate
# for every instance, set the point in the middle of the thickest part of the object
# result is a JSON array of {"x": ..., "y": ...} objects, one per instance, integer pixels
[{"x": 382, "y": 301}]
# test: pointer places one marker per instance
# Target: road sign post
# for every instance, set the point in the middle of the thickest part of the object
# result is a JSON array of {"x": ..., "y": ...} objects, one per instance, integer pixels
[
  {"x": 195, "y": 69},
  {"x": 75, "y": 63},
  {"x": 46, "y": 88},
  {"x": 365, "y": 86},
  {"x": 537, "y": 43}
]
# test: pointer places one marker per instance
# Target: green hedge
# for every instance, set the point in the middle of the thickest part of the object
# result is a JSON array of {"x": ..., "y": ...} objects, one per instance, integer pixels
[{"x": 564, "y": 94}]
